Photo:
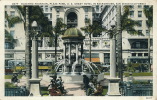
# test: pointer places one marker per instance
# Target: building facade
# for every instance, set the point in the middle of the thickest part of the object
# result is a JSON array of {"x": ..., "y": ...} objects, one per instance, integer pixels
[{"x": 135, "y": 48}]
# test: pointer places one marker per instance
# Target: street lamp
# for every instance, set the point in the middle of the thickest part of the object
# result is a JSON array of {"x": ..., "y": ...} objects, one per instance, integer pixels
[{"x": 35, "y": 81}]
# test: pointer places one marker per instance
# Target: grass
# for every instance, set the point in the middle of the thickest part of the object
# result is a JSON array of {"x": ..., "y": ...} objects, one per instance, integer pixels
[
  {"x": 44, "y": 91},
  {"x": 9, "y": 85},
  {"x": 136, "y": 74},
  {"x": 105, "y": 90},
  {"x": 10, "y": 76}
]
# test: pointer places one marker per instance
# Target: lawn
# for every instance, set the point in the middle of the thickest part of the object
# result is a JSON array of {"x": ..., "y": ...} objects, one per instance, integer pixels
[
  {"x": 10, "y": 76},
  {"x": 135, "y": 74}
]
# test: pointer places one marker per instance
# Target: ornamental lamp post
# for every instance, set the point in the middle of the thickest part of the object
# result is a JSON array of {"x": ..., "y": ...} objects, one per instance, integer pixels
[
  {"x": 35, "y": 81},
  {"x": 113, "y": 86}
]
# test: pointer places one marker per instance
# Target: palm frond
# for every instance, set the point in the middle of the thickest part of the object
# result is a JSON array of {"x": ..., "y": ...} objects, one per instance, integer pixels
[
  {"x": 148, "y": 11},
  {"x": 14, "y": 20}
]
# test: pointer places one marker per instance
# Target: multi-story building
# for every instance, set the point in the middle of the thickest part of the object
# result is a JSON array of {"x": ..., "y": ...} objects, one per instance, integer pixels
[
  {"x": 73, "y": 16},
  {"x": 14, "y": 49},
  {"x": 135, "y": 47}
]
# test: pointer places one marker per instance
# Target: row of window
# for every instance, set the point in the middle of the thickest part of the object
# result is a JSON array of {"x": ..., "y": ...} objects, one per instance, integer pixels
[
  {"x": 46, "y": 9},
  {"x": 132, "y": 6},
  {"x": 132, "y": 13},
  {"x": 147, "y": 32},
  {"x": 139, "y": 54},
  {"x": 12, "y": 13}
]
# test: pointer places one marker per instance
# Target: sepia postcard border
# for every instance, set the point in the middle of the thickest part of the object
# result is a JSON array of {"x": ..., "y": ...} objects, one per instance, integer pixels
[{"x": 30, "y": 2}]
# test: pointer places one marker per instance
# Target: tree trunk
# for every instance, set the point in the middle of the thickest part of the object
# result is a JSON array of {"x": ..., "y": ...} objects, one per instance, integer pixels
[
  {"x": 27, "y": 49},
  {"x": 149, "y": 65},
  {"x": 90, "y": 47},
  {"x": 119, "y": 43},
  {"x": 56, "y": 47}
]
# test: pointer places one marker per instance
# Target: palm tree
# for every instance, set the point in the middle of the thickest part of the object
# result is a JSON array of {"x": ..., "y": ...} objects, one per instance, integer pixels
[
  {"x": 27, "y": 14},
  {"x": 95, "y": 28},
  {"x": 119, "y": 41},
  {"x": 124, "y": 23},
  {"x": 11, "y": 20},
  {"x": 58, "y": 29},
  {"x": 148, "y": 11}
]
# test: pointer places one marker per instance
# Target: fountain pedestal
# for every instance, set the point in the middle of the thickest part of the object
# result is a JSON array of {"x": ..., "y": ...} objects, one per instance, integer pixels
[{"x": 72, "y": 79}]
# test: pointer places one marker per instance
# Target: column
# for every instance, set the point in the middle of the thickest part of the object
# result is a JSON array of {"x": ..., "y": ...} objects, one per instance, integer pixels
[
  {"x": 113, "y": 86},
  {"x": 64, "y": 52},
  {"x": 77, "y": 53},
  {"x": 64, "y": 58},
  {"x": 34, "y": 81},
  {"x": 100, "y": 43},
  {"x": 101, "y": 56},
  {"x": 34, "y": 58},
  {"x": 69, "y": 53},
  {"x": 43, "y": 55},
  {"x": 112, "y": 58}
]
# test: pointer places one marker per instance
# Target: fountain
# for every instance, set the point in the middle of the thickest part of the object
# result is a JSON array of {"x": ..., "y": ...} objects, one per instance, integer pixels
[{"x": 72, "y": 67}]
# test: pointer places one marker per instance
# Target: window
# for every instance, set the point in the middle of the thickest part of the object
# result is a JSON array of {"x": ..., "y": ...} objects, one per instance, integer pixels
[
  {"x": 12, "y": 33},
  {"x": 139, "y": 6},
  {"x": 137, "y": 44},
  {"x": 139, "y": 54},
  {"x": 57, "y": 16},
  {"x": 139, "y": 13},
  {"x": 133, "y": 54},
  {"x": 50, "y": 15},
  {"x": 131, "y": 13},
  {"x": 9, "y": 45},
  {"x": 39, "y": 55},
  {"x": 57, "y": 10},
  {"x": 12, "y": 25},
  {"x": 6, "y": 23},
  {"x": 95, "y": 44},
  {"x": 145, "y": 54},
  {"x": 97, "y": 8},
  {"x": 86, "y": 16},
  {"x": 131, "y": 6},
  {"x": 46, "y": 9},
  {"x": 140, "y": 23},
  {"x": 86, "y": 9},
  {"x": 9, "y": 56},
  {"x": 107, "y": 58},
  {"x": 140, "y": 31},
  {"x": 147, "y": 33},
  {"x": 12, "y": 13},
  {"x": 51, "y": 9}
]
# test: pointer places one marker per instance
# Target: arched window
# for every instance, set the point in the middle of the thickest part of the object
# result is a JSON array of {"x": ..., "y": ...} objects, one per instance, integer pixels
[{"x": 71, "y": 20}]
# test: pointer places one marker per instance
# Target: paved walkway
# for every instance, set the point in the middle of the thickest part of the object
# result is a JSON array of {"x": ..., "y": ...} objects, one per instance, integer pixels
[{"x": 74, "y": 90}]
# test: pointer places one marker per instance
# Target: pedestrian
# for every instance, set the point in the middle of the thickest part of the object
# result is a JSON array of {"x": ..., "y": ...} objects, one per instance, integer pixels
[
  {"x": 53, "y": 91},
  {"x": 99, "y": 90},
  {"x": 59, "y": 85},
  {"x": 86, "y": 82}
]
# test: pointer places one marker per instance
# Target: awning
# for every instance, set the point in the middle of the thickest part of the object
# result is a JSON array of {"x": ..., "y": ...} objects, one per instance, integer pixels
[{"x": 93, "y": 59}]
